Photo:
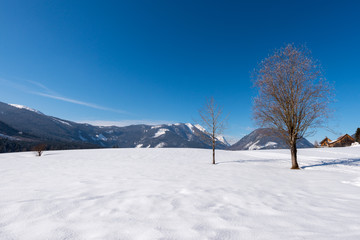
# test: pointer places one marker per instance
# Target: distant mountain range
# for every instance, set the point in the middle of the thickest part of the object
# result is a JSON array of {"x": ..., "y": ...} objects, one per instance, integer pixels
[
  {"x": 21, "y": 128},
  {"x": 20, "y": 125},
  {"x": 265, "y": 138}
]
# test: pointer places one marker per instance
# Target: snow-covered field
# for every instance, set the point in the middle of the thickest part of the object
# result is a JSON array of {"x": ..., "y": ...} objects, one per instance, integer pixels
[{"x": 179, "y": 194}]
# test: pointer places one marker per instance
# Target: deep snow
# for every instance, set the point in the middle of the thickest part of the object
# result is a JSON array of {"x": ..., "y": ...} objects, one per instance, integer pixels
[{"x": 179, "y": 194}]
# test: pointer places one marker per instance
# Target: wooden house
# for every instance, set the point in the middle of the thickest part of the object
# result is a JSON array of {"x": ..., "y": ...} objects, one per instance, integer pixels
[
  {"x": 325, "y": 142},
  {"x": 343, "y": 141}
]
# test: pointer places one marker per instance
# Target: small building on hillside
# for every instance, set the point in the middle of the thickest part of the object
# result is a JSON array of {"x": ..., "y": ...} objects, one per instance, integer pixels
[{"x": 343, "y": 141}]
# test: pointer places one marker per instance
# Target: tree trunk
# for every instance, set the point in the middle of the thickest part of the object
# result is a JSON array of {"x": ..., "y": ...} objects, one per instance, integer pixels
[
  {"x": 294, "y": 155},
  {"x": 213, "y": 148}
]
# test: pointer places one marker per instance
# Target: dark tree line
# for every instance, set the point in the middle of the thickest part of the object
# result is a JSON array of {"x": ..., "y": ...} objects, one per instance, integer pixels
[
  {"x": 7, "y": 145},
  {"x": 357, "y": 135}
]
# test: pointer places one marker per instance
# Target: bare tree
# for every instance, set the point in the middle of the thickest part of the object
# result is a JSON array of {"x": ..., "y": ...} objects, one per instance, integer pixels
[
  {"x": 213, "y": 121},
  {"x": 39, "y": 149},
  {"x": 293, "y": 96}
]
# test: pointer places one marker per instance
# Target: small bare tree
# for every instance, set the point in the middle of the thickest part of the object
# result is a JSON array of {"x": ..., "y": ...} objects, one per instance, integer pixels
[
  {"x": 213, "y": 121},
  {"x": 293, "y": 96},
  {"x": 39, "y": 149}
]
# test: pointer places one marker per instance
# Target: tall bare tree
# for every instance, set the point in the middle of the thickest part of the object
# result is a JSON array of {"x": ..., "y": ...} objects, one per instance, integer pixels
[
  {"x": 293, "y": 95},
  {"x": 213, "y": 121}
]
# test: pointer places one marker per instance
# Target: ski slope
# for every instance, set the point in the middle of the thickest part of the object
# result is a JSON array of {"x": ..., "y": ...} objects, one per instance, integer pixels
[{"x": 179, "y": 194}]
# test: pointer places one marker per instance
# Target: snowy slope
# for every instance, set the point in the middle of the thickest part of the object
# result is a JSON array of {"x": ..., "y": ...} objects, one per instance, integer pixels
[
  {"x": 178, "y": 194},
  {"x": 220, "y": 138},
  {"x": 25, "y": 108},
  {"x": 265, "y": 138}
]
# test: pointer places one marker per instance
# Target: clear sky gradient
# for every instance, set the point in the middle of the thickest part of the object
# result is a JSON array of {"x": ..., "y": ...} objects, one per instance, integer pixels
[{"x": 155, "y": 62}]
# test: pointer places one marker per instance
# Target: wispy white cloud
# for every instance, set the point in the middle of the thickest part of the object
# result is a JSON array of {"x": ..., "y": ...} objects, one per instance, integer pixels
[
  {"x": 91, "y": 105},
  {"x": 42, "y": 86},
  {"x": 44, "y": 91},
  {"x": 14, "y": 84}
]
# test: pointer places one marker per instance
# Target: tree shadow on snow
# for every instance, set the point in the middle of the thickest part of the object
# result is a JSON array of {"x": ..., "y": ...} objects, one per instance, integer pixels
[
  {"x": 349, "y": 162},
  {"x": 48, "y": 154},
  {"x": 246, "y": 161}
]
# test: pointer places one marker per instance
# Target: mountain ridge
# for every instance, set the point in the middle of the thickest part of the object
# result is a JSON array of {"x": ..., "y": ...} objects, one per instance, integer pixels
[
  {"x": 266, "y": 138},
  {"x": 52, "y": 129},
  {"x": 21, "y": 125}
]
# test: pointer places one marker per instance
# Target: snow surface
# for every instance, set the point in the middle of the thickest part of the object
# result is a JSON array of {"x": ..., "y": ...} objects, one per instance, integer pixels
[
  {"x": 223, "y": 140},
  {"x": 160, "y": 145},
  {"x": 160, "y": 132},
  {"x": 202, "y": 129},
  {"x": 179, "y": 194},
  {"x": 25, "y": 107},
  {"x": 98, "y": 137},
  {"x": 60, "y": 121},
  {"x": 198, "y": 126},
  {"x": 101, "y": 137},
  {"x": 255, "y": 146},
  {"x": 190, "y": 126}
]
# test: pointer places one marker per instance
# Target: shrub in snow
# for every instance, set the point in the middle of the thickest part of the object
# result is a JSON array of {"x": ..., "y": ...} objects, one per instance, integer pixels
[{"x": 39, "y": 149}]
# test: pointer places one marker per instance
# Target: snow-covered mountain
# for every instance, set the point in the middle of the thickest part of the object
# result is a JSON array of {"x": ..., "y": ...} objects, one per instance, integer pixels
[
  {"x": 40, "y": 127},
  {"x": 25, "y": 107},
  {"x": 265, "y": 138}
]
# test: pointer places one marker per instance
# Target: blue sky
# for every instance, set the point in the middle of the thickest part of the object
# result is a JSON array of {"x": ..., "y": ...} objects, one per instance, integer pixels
[{"x": 157, "y": 61}]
